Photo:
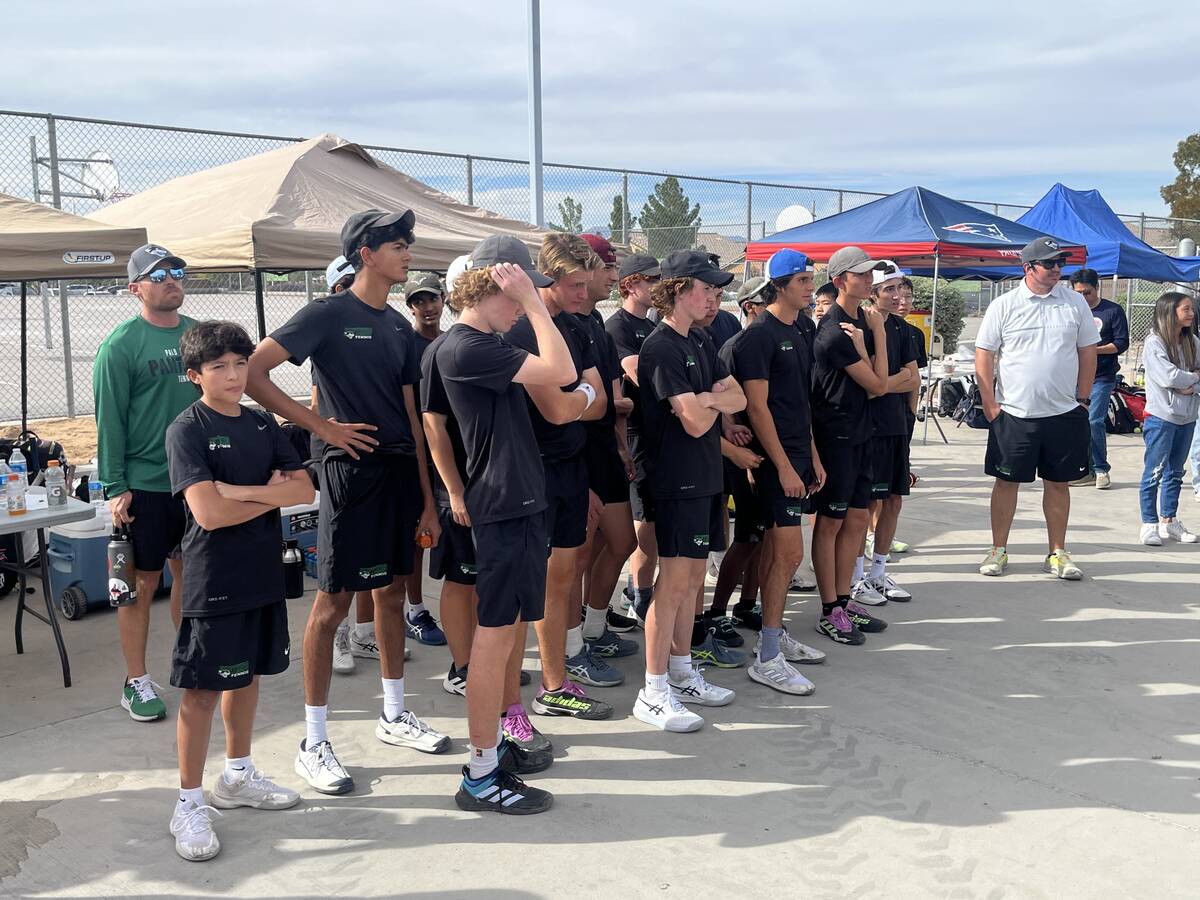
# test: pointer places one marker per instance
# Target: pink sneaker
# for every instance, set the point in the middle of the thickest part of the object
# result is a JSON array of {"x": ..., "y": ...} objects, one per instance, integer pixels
[{"x": 518, "y": 729}]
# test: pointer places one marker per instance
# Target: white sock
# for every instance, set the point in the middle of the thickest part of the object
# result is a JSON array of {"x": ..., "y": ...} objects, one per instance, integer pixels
[
  {"x": 482, "y": 762},
  {"x": 191, "y": 796},
  {"x": 364, "y": 631},
  {"x": 574, "y": 641},
  {"x": 415, "y": 609},
  {"x": 594, "y": 621},
  {"x": 679, "y": 667},
  {"x": 393, "y": 698},
  {"x": 499, "y": 731},
  {"x": 236, "y": 769},
  {"x": 878, "y": 566},
  {"x": 858, "y": 568},
  {"x": 314, "y": 725},
  {"x": 656, "y": 686}
]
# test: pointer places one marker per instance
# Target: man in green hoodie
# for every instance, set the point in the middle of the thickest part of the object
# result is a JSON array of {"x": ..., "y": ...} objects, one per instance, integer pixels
[{"x": 140, "y": 386}]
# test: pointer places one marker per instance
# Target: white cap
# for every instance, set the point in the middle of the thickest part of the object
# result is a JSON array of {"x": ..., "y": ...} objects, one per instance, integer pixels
[
  {"x": 887, "y": 271},
  {"x": 460, "y": 265},
  {"x": 336, "y": 271}
]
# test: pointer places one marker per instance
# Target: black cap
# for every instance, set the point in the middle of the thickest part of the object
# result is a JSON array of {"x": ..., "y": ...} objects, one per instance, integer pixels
[
  {"x": 355, "y": 230},
  {"x": 504, "y": 248},
  {"x": 1040, "y": 249},
  {"x": 694, "y": 264},
  {"x": 639, "y": 264},
  {"x": 148, "y": 257}
]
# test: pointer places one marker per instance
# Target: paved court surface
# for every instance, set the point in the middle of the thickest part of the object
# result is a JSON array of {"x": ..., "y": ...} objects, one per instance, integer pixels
[{"x": 1014, "y": 737}]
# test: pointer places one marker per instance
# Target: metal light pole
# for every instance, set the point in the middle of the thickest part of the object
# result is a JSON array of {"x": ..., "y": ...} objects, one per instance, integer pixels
[{"x": 536, "y": 212}]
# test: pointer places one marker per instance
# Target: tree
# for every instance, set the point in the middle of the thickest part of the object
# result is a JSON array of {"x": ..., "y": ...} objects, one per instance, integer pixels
[
  {"x": 951, "y": 309},
  {"x": 620, "y": 221},
  {"x": 669, "y": 219},
  {"x": 1183, "y": 194},
  {"x": 570, "y": 216}
]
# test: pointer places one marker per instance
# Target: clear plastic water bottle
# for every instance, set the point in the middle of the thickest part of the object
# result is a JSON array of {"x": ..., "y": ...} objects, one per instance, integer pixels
[
  {"x": 56, "y": 484},
  {"x": 14, "y": 495},
  {"x": 18, "y": 465},
  {"x": 96, "y": 494}
]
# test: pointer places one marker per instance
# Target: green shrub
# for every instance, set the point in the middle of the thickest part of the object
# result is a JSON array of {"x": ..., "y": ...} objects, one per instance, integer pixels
[{"x": 950, "y": 309}]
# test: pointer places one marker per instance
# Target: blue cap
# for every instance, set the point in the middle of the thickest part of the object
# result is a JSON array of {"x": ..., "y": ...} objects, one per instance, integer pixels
[{"x": 787, "y": 262}]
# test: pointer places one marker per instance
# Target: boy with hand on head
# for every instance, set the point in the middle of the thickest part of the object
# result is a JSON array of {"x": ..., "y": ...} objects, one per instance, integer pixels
[{"x": 234, "y": 469}]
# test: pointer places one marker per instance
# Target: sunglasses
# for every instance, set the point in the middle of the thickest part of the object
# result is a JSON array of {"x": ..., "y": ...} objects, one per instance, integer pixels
[
  {"x": 158, "y": 276},
  {"x": 1057, "y": 263}
]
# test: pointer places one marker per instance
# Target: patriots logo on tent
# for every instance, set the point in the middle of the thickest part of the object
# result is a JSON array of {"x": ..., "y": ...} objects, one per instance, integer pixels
[{"x": 982, "y": 229}]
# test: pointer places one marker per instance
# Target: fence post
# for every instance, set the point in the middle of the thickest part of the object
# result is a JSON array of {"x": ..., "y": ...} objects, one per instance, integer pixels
[
  {"x": 63, "y": 311},
  {"x": 625, "y": 208},
  {"x": 470, "y": 181},
  {"x": 308, "y": 291},
  {"x": 47, "y": 337},
  {"x": 749, "y": 211},
  {"x": 259, "y": 304},
  {"x": 46, "y": 316},
  {"x": 841, "y": 201}
]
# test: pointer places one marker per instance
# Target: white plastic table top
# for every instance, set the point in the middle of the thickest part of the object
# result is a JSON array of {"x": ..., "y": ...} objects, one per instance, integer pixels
[{"x": 74, "y": 511}]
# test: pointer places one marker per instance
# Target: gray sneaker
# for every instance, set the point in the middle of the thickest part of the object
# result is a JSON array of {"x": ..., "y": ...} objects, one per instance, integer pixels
[
  {"x": 611, "y": 645},
  {"x": 588, "y": 668},
  {"x": 714, "y": 653}
]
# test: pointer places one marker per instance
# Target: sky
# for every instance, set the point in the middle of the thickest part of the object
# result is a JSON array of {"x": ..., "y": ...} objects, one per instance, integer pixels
[{"x": 979, "y": 100}]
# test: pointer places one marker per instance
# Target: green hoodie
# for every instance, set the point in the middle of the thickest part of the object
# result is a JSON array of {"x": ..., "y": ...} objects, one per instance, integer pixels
[{"x": 140, "y": 386}]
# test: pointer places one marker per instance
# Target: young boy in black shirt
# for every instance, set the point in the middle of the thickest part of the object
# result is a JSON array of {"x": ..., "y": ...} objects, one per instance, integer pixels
[{"x": 234, "y": 468}]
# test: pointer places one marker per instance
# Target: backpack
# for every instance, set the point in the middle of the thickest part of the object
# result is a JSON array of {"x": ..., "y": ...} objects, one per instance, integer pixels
[
  {"x": 949, "y": 397},
  {"x": 969, "y": 411},
  {"x": 1120, "y": 418},
  {"x": 36, "y": 452}
]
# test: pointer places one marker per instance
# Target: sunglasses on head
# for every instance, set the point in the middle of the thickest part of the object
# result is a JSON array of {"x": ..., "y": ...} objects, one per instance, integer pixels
[
  {"x": 158, "y": 276},
  {"x": 1056, "y": 263}
]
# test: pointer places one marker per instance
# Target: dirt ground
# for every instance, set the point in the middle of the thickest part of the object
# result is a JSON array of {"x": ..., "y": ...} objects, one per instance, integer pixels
[{"x": 77, "y": 435}]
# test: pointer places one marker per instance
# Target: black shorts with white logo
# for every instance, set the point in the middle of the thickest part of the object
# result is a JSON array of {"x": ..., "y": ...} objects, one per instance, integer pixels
[
  {"x": 368, "y": 518},
  {"x": 224, "y": 653},
  {"x": 778, "y": 509},
  {"x": 1054, "y": 448},
  {"x": 748, "y": 524},
  {"x": 889, "y": 466},
  {"x": 567, "y": 502},
  {"x": 847, "y": 478},
  {"x": 690, "y": 528},
  {"x": 511, "y": 556},
  {"x": 157, "y": 528},
  {"x": 605, "y": 471},
  {"x": 453, "y": 558}
]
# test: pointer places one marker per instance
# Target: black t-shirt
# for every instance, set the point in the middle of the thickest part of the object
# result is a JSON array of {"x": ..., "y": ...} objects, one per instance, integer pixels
[
  {"x": 887, "y": 412},
  {"x": 505, "y": 479},
  {"x": 608, "y": 364},
  {"x": 362, "y": 358},
  {"x": 421, "y": 343},
  {"x": 839, "y": 404},
  {"x": 776, "y": 352},
  {"x": 728, "y": 355},
  {"x": 723, "y": 327},
  {"x": 239, "y": 567},
  {"x": 917, "y": 337},
  {"x": 558, "y": 442},
  {"x": 808, "y": 328},
  {"x": 435, "y": 400},
  {"x": 677, "y": 464}
]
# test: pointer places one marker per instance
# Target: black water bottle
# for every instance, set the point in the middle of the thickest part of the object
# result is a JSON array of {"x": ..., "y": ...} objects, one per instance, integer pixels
[
  {"x": 293, "y": 571},
  {"x": 122, "y": 587}
]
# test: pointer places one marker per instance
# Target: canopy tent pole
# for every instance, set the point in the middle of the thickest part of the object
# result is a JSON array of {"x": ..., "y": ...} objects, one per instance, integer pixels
[
  {"x": 260, "y": 309},
  {"x": 24, "y": 356},
  {"x": 929, "y": 356}
]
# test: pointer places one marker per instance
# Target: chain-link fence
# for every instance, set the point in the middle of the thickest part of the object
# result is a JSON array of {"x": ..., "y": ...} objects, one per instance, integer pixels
[{"x": 80, "y": 164}]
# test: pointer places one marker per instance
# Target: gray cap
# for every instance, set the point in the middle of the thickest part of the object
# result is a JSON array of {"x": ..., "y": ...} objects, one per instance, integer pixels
[
  {"x": 504, "y": 248},
  {"x": 146, "y": 258},
  {"x": 422, "y": 283},
  {"x": 1042, "y": 248},
  {"x": 751, "y": 290},
  {"x": 851, "y": 259}
]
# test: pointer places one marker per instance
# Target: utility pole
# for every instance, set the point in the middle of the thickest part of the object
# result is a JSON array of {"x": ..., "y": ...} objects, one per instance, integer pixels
[{"x": 536, "y": 212}]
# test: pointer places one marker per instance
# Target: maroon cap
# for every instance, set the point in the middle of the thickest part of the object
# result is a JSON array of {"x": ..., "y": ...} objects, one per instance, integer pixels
[{"x": 602, "y": 248}]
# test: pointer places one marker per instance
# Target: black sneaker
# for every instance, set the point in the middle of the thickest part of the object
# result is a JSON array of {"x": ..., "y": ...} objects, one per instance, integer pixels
[
  {"x": 519, "y": 761},
  {"x": 501, "y": 792},
  {"x": 570, "y": 700},
  {"x": 723, "y": 629},
  {"x": 619, "y": 624},
  {"x": 640, "y": 611},
  {"x": 747, "y": 618},
  {"x": 864, "y": 621},
  {"x": 526, "y": 678},
  {"x": 837, "y": 626},
  {"x": 455, "y": 681}
]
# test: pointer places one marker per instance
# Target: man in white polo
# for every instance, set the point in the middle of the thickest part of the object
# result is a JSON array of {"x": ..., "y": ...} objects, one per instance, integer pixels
[{"x": 1035, "y": 359}]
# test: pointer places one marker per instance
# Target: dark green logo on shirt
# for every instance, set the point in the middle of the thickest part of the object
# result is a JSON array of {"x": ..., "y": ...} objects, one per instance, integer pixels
[
  {"x": 373, "y": 571},
  {"x": 786, "y": 345},
  {"x": 219, "y": 442},
  {"x": 691, "y": 360},
  {"x": 237, "y": 670},
  {"x": 357, "y": 334}
]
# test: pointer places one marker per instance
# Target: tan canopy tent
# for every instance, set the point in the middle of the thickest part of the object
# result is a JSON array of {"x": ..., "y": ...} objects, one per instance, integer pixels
[{"x": 284, "y": 209}]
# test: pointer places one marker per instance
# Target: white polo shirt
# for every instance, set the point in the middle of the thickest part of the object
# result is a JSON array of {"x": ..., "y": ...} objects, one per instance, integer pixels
[{"x": 1036, "y": 338}]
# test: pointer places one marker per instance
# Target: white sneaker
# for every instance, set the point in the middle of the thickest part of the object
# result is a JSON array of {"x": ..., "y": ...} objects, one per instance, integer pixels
[
  {"x": 695, "y": 689},
  {"x": 195, "y": 839},
  {"x": 252, "y": 789},
  {"x": 369, "y": 648},
  {"x": 802, "y": 583},
  {"x": 865, "y": 593},
  {"x": 1176, "y": 531},
  {"x": 321, "y": 769},
  {"x": 778, "y": 673},
  {"x": 889, "y": 589},
  {"x": 1149, "y": 535},
  {"x": 669, "y": 714},
  {"x": 1103, "y": 481},
  {"x": 343, "y": 658},
  {"x": 409, "y": 731},
  {"x": 794, "y": 651}
]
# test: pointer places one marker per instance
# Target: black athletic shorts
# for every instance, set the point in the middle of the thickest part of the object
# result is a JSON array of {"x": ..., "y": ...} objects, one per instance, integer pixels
[
  {"x": 511, "y": 556},
  {"x": 567, "y": 499},
  {"x": 778, "y": 509},
  {"x": 910, "y": 418},
  {"x": 748, "y": 525},
  {"x": 157, "y": 529},
  {"x": 690, "y": 528},
  {"x": 368, "y": 521},
  {"x": 1054, "y": 448},
  {"x": 847, "y": 479},
  {"x": 889, "y": 466},
  {"x": 605, "y": 471},
  {"x": 641, "y": 500},
  {"x": 454, "y": 556},
  {"x": 224, "y": 653}
]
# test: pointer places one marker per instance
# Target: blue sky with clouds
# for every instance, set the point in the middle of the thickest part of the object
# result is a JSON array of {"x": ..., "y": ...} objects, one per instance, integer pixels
[{"x": 980, "y": 100}]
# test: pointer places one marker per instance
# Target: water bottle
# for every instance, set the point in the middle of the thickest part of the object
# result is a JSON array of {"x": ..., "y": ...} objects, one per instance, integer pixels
[
  {"x": 122, "y": 588},
  {"x": 293, "y": 571},
  {"x": 14, "y": 495},
  {"x": 96, "y": 495},
  {"x": 56, "y": 484},
  {"x": 16, "y": 462}
]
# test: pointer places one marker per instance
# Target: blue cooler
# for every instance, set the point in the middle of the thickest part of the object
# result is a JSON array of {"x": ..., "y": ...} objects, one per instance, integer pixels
[
  {"x": 78, "y": 563},
  {"x": 300, "y": 523}
]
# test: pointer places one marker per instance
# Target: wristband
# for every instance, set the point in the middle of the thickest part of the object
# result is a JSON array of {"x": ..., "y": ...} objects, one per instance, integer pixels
[{"x": 589, "y": 393}]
